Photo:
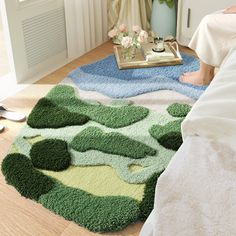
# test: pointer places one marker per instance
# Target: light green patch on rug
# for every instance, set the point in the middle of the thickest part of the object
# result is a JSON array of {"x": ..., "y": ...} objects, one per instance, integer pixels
[
  {"x": 97, "y": 180},
  {"x": 33, "y": 140},
  {"x": 135, "y": 168},
  {"x": 98, "y": 214},
  {"x": 178, "y": 110},
  {"x": 168, "y": 135},
  {"x": 13, "y": 149},
  {"x": 93, "y": 138}
]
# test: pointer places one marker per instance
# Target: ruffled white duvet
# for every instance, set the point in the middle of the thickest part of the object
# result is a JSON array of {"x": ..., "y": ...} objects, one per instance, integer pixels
[
  {"x": 196, "y": 195},
  {"x": 214, "y": 114}
]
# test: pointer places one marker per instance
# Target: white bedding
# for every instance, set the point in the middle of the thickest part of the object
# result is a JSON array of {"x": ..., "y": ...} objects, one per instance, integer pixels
[
  {"x": 196, "y": 195},
  {"x": 214, "y": 114}
]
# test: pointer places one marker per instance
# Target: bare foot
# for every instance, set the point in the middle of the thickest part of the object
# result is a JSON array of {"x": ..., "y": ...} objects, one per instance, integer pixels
[{"x": 196, "y": 78}]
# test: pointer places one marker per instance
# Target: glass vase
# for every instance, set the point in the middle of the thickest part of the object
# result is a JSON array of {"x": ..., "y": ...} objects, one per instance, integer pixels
[
  {"x": 116, "y": 40},
  {"x": 128, "y": 53}
]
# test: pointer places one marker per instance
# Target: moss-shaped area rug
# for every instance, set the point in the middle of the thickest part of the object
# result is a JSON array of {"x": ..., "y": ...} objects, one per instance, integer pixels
[{"x": 93, "y": 164}]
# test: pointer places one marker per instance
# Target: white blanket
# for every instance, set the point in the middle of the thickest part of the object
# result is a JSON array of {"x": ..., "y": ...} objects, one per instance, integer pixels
[
  {"x": 196, "y": 195},
  {"x": 214, "y": 114}
]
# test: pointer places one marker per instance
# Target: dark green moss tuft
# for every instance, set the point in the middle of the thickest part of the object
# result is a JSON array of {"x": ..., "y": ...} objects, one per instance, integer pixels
[
  {"x": 20, "y": 173},
  {"x": 169, "y": 135},
  {"x": 46, "y": 114},
  {"x": 113, "y": 143},
  {"x": 147, "y": 203},
  {"x": 50, "y": 154},
  {"x": 179, "y": 110},
  {"x": 64, "y": 99},
  {"x": 98, "y": 214},
  {"x": 172, "y": 140}
]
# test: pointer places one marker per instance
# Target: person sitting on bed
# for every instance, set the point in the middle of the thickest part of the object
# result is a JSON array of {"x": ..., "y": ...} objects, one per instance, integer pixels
[{"x": 214, "y": 37}]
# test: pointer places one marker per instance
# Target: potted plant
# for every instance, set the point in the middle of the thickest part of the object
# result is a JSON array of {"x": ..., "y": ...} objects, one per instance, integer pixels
[{"x": 163, "y": 19}]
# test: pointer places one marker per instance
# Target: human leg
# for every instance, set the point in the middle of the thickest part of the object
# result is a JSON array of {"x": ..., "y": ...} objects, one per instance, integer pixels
[
  {"x": 212, "y": 40},
  {"x": 201, "y": 77}
]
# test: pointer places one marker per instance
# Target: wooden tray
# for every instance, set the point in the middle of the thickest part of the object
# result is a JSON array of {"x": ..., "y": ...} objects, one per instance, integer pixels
[{"x": 139, "y": 61}]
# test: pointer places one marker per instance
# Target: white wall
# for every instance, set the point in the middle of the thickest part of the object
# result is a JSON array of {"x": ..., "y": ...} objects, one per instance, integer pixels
[
  {"x": 37, "y": 42},
  {"x": 41, "y": 32}
]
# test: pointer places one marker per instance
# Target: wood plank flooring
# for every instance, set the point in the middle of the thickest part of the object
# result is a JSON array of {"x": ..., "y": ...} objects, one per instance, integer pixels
[{"x": 22, "y": 217}]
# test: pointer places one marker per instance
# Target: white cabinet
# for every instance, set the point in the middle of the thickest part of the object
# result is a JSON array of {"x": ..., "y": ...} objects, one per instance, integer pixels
[{"x": 190, "y": 13}]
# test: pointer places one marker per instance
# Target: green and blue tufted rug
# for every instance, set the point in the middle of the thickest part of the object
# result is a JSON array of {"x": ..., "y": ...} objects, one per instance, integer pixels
[{"x": 93, "y": 164}]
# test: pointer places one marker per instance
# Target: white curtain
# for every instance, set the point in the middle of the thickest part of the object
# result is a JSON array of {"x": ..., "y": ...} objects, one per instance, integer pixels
[
  {"x": 86, "y": 23},
  {"x": 129, "y": 12}
]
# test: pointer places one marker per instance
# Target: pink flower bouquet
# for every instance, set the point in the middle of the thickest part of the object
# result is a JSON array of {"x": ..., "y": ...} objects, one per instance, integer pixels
[{"x": 127, "y": 38}]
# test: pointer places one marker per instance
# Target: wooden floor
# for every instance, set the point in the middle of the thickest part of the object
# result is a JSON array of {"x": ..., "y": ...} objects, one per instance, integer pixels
[{"x": 19, "y": 216}]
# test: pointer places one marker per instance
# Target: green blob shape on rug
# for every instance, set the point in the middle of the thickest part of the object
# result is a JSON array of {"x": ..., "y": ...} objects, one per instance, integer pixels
[
  {"x": 147, "y": 204},
  {"x": 29, "y": 182},
  {"x": 178, "y": 110},
  {"x": 50, "y": 154},
  {"x": 169, "y": 135},
  {"x": 46, "y": 114},
  {"x": 98, "y": 214},
  {"x": 112, "y": 143},
  {"x": 63, "y": 98}
]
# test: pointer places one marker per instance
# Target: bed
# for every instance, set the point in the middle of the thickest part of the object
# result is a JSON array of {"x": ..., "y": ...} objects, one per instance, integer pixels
[{"x": 196, "y": 194}]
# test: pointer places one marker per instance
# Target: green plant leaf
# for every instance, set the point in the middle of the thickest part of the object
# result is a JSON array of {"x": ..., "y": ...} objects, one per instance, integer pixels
[{"x": 169, "y": 3}]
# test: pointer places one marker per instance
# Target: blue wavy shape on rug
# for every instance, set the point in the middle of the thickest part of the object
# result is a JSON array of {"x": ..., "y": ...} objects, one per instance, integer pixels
[{"x": 105, "y": 77}]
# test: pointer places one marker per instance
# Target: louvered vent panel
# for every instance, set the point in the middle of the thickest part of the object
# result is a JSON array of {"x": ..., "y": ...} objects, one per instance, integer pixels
[{"x": 44, "y": 36}]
